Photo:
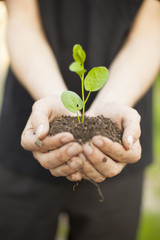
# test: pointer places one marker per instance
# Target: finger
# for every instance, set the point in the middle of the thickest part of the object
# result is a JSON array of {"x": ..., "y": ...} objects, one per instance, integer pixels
[
  {"x": 104, "y": 164},
  {"x": 59, "y": 156},
  {"x": 126, "y": 118},
  {"x": 67, "y": 168},
  {"x": 131, "y": 126},
  {"x": 86, "y": 172},
  {"x": 56, "y": 141},
  {"x": 44, "y": 111},
  {"x": 116, "y": 151},
  {"x": 28, "y": 137},
  {"x": 75, "y": 177},
  {"x": 29, "y": 141},
  {"x": 89, "y": 172}
]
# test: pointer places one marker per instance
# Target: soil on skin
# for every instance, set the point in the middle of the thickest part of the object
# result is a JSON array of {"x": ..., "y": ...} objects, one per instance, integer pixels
[{"x": 83, "y": 132}]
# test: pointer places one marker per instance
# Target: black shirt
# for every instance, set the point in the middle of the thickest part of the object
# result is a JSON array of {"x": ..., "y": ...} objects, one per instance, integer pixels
[{"x": 101, "y": 27}]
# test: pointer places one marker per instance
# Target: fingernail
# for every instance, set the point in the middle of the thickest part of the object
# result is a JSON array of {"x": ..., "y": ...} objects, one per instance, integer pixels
[
  {"x": 98, "y": 142},
  {"x": 81, "y": 155},
  {"x": 39, "y": 143},
  {"x": 71, "y": 177},
  {"x": 73, "y": 151},
  {"x": 130, "y": 141},
  {"x": 73, "y": 165},
  {"x": 88, "y": 149},
  {"x": 39, "y": 130},
  {"x": 66, "y": 139}
]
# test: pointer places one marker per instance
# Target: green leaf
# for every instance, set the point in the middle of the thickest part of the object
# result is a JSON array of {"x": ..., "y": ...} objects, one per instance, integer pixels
[
  {"x": 77, "y": 67},
  {"x": 96, "y": 78},
  {"x": 72, "y": 101},
  {"x": 79, "y": 54}
]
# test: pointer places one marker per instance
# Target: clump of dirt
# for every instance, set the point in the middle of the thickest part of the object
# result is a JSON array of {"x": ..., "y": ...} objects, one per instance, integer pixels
[{"x": 83, "y": 132}]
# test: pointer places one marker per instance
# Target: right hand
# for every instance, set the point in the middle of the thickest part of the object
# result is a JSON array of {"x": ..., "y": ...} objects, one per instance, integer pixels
[
  {"x": 58, "y": 153},
  {"x": 100, "y": 148}
]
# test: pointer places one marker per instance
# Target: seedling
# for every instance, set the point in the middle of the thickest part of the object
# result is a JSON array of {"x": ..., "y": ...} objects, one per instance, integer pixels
[{"x": 94, "y": 81}]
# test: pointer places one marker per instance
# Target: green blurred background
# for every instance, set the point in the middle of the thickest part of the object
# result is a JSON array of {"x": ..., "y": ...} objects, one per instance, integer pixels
[{"x": 149, "y": 228}]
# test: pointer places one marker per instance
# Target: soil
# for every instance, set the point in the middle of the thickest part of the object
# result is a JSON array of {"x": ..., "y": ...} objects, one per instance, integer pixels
[{"x": 83, "y": 132}]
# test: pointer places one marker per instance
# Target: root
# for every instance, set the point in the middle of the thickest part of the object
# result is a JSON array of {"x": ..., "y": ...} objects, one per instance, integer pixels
[
  {"x": 98, "y": 189},
  {"x": 75, "y": 185},
  {"x": 95, "y": 184}
]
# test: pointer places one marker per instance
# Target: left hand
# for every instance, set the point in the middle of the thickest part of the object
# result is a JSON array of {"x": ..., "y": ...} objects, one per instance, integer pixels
[
  {"x": 58, "y": 153},
  {"x": 104, "y": 158}
]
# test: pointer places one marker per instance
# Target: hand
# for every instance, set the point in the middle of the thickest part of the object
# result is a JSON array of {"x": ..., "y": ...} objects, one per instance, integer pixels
[
  {"x": 104, "y": 158},
  {"x": 56, "y": 153}
]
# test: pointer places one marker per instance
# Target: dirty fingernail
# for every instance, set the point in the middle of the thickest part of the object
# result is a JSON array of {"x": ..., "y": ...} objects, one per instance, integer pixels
[
  {"x": 39, "y": 143},
  {"x": 130, "y": 141},
  {"x": 98, "y": 142},
  {"x": 73, "y": 165},
  {"x": 88, "y": 149},
  {"x": 39, "y": 130}
]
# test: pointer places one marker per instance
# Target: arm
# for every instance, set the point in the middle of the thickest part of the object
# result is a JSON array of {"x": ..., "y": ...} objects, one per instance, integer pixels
[
  {"x": 35, "y": 66},
  {"x": 131, "y": 75},
  {"x": 32, "y": 59},
  {"x": 137, "y": 64},
  {"x": 122, "y": 114}
]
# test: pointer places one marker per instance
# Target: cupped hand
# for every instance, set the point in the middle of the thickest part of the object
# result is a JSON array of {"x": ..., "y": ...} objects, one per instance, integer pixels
[
  {"x": 105, "y": 158},
  {"x": 58, "y": 154}
]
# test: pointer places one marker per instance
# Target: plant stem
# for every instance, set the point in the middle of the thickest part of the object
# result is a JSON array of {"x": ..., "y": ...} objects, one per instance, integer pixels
[
  {"x": 78, "y": 117},
  {"x": 82, "y": 81},
  {"x": 87, "y": 96}
]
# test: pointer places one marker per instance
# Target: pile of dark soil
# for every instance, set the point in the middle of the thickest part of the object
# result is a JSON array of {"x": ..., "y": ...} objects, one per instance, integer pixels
[{"x": 83, "y": 132}]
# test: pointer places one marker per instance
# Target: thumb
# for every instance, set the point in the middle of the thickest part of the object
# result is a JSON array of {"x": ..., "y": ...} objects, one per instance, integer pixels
[
  {"x": 40, "y": 116},
  {"x": 131, "y": 126},
  {"x": 42, "y": 130}
]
